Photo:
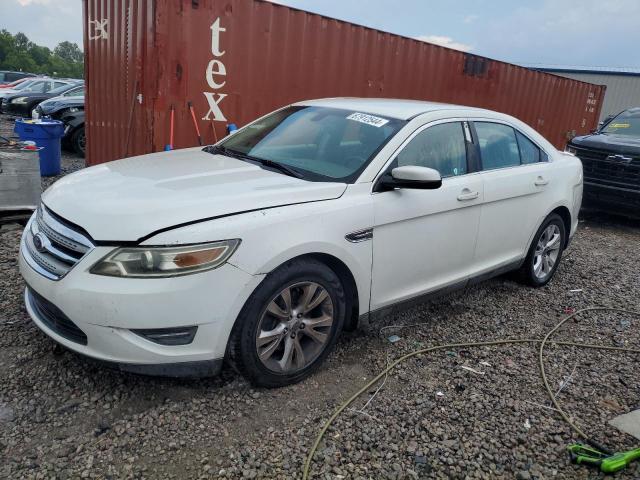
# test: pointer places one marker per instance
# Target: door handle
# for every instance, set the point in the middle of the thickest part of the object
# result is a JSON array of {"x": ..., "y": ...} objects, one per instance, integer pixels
[
  {"x": 467, "y": 194},
  {"x": 541, "y": 182}
]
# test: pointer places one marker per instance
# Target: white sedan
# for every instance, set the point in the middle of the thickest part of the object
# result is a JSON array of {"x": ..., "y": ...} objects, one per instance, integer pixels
[{"x": 261, "y": 249}]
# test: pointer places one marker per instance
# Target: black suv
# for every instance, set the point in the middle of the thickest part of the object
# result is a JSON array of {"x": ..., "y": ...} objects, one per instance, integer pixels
[{"x": 611, "y": 162}]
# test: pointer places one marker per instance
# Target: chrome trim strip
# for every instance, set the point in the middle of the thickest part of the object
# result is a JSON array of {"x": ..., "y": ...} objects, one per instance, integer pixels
[
  {"x": 62, "y": 230},
  {"x": 50, "y": 259},
  {"x": 32, "y": 263},
  {"x": 360, "y": 235}
]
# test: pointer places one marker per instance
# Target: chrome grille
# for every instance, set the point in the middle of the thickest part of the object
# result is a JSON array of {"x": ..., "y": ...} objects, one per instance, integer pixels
[
  {"x": 604, "y": 168},
  {"x": 51, "y": 246}
]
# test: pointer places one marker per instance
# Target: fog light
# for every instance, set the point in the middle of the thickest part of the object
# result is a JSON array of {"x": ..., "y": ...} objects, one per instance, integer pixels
[{"x": 168, "y": 336}]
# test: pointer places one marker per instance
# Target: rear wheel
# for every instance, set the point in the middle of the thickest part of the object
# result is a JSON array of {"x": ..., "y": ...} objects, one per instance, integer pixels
[
  {"x": 79, "y": 141},
  {"x": 289, "y": 325},
  {"x": 545, "y": 252}
]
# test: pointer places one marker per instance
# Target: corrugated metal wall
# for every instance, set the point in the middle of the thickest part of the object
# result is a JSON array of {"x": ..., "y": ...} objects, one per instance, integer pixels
[
  {"x": 623, "y": 90},
  {"x": 238, "y": 59}
]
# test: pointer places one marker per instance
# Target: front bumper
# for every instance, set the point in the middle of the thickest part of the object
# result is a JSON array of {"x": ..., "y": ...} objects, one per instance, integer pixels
[
  {"x": 106, "y": 309},
  {"x": 622, "y": 201}
]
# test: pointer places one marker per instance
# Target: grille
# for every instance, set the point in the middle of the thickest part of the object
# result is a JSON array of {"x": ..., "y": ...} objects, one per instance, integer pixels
[
  {"x": 52, "y": 246},
  {"x": 600, "y": 168},
  {"x": 54, "y": 319}
]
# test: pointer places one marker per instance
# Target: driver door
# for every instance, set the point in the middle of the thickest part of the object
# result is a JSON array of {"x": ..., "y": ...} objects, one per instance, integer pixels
[{"x": 424, "y": 240}]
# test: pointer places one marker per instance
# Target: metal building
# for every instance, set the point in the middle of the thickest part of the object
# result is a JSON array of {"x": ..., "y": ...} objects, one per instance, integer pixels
[{"x": 623, "y": 85}]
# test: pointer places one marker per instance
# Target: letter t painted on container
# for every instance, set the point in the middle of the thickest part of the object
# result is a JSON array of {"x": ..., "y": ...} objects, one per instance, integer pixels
[{"x": 216, "y": 29}]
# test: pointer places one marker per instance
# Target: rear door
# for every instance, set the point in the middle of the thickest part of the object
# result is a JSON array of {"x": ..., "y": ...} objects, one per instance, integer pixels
[
  {"x": 515, "y": 172},
  {"x": 424, "y": 240}
]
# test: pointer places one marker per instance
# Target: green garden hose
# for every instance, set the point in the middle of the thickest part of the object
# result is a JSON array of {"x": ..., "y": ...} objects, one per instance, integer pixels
[{"x": 543, "y": 343}]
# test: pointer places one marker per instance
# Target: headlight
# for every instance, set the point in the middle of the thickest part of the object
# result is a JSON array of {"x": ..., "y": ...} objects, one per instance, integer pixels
[
  {"x": 570, "y": 149},
  {"x": 74, "y": 109},
  {"x": 143, "y": 262},
  {"x": 20, "y": 100}
]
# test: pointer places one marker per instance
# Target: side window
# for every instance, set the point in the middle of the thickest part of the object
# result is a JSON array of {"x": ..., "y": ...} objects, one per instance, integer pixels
[
  {"x": 529, "y": 152},
  {"x": 59, "y": 84},
  {"x": 441, "y": 147},
  {"x": 498, "y": 145}
]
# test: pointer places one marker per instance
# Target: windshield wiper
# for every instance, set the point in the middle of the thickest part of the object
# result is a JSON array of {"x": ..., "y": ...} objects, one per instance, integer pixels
[
  {"x": 262, "y": 161},
  {"x": 278, "y": 166}
]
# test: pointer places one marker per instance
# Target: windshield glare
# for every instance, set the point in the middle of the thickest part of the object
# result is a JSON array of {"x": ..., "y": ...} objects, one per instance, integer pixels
[
  {"x": 325, "y": 144},
  {"x": 627, "y": 123},
  {"x": 24, "y": 85}
]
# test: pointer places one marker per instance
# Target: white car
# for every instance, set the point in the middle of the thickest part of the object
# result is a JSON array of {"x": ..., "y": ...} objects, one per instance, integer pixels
[{"x": 261, "y": 249}]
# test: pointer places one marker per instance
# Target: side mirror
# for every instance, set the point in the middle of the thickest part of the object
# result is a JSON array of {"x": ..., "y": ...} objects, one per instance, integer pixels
[{"x": 410, "y": 176}]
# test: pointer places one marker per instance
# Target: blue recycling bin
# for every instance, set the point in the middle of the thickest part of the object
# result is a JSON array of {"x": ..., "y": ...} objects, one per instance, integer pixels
[{"x": 47, "y": 135}]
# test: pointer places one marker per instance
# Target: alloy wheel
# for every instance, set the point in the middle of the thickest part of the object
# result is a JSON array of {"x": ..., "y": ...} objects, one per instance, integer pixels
[
  {"x": 547, "y": 251},
  {"x": 295, "y": 327}
]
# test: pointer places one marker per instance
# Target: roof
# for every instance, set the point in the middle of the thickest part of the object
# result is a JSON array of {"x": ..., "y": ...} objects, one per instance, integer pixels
[
  {"x": 386, "y": 107},
  {"x": 626, "y": 71}
]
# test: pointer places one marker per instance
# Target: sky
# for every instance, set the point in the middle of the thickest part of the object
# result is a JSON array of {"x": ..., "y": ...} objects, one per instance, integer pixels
[{"x": 596, "y": 33}]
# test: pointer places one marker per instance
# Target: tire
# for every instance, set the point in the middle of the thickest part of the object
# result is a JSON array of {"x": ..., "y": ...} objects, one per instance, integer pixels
[
  {"x": 265, "y": 362},
  {"x": 78, "y": 141},
  {"x": 536, "y": 271}
]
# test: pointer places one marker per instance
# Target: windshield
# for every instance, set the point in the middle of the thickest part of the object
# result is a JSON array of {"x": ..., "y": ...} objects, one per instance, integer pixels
[
  {"x": 627, "y": 123},
  {"x": 24, "y": 85},
  {"x": 74, "y": 92},
  {"x": 60, "y": 90},
  {"x": 322, "y": 144}
]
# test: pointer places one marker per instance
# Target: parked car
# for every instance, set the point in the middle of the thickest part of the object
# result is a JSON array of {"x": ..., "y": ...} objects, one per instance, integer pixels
[
  {"x": 15, "y": 83},
  {"x": 262, "y": 248},
  {"x": 68, "y": 102},
  {"x": 8, "y": 76},
  {"x": 74, "y": 136},
  {"x": 23, "y": 86},
  {"x": 611, "y": 161},
  {"x": 22, "y": 103}
]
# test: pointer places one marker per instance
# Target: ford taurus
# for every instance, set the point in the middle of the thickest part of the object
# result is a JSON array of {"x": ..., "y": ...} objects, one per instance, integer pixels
[{"x": 261, "y": 249}]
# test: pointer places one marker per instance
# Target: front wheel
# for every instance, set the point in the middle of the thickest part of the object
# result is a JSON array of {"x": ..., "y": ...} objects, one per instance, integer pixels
[
  {"x": 289, "y": 325},
  {"x": 545, "y": 252}
]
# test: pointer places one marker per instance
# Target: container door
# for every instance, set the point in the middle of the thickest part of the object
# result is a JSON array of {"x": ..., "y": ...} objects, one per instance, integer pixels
[{"x": 424, "y": 240}]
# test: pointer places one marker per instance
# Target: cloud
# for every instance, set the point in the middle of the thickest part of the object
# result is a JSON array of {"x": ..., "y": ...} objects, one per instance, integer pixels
[
  {"x": 45, "y": 22},
  {"x": 445, "y": 42},
  {"x": 470, "y": 18},
  {"x": 24, "y": 3},
  {"x": 588, "y": 32}
]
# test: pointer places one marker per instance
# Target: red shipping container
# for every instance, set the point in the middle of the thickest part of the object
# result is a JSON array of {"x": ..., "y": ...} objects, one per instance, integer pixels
[{"x": 239, "y": 59}]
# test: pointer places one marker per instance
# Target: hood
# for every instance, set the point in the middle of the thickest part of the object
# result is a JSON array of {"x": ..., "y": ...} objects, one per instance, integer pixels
[
  {"x": 129, "y": 199},
  {"x": 28, "y": 95},
  {"x": 623, "y": 144},
  {"x": 5, "y": 92},
  {"x": 59, "y": 103}
]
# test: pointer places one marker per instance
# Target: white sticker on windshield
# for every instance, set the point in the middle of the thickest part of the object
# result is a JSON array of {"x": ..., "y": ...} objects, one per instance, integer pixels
[{"x": 368, "y": 119}]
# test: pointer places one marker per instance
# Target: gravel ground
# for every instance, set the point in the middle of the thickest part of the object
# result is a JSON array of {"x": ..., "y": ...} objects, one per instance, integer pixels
[{"x": 62, "y": 416}]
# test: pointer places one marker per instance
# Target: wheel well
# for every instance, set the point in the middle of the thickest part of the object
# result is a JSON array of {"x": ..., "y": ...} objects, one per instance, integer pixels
[
  {"x": 566, "y": 219},
  {"x": 348, "y": 283}
]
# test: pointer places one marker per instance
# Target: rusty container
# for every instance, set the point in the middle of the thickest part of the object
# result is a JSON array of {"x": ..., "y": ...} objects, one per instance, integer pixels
[{"x": 238, "y": 59}]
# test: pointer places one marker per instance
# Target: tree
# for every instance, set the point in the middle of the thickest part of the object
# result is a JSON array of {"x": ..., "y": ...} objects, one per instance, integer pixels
[
  {"x": 17, "y": 52},
  {"x": 69, "y": 51},
  {"x": 21, "y": 41},
  {"x": 7, "y": 44},
  {"x": 39, "y": 54}
]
